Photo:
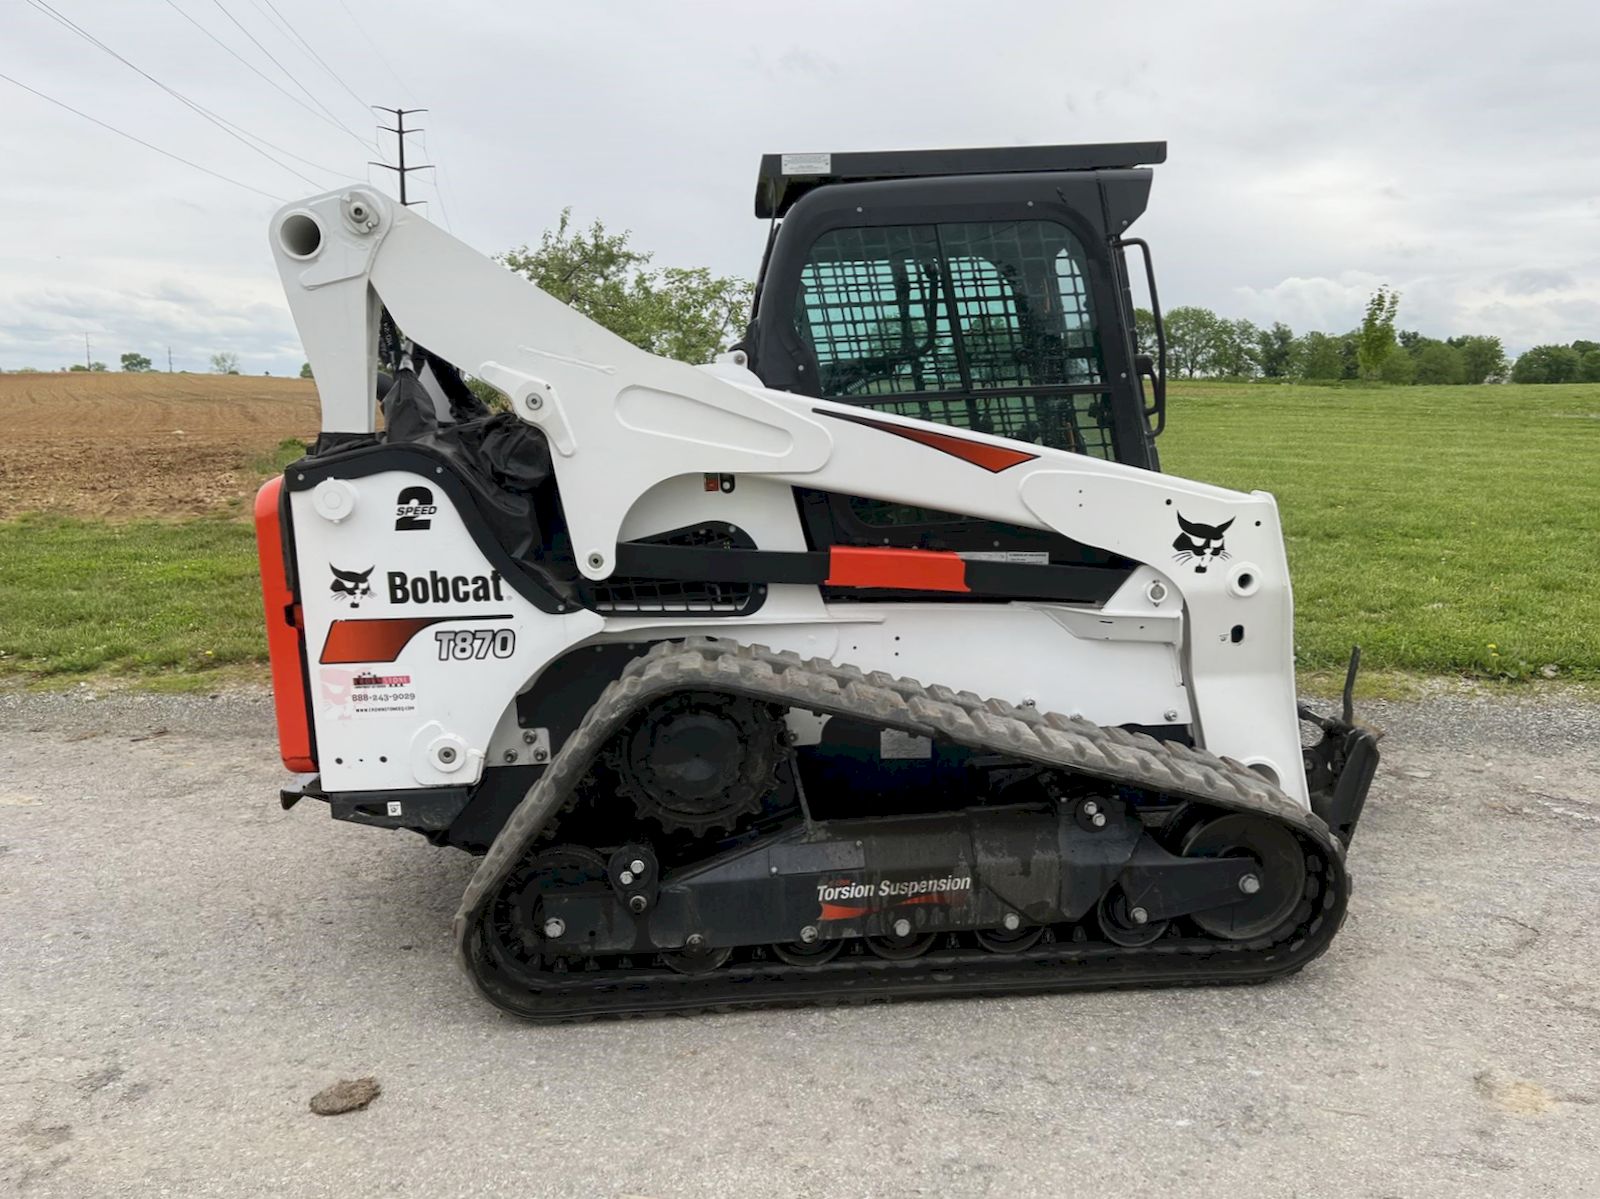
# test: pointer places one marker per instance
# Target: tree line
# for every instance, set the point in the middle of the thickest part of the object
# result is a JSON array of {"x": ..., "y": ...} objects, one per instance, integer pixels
[
  {"x": 1201, "y": 344},
  {"x": 691, "y": 314},
  {"x": 134, "y": 363}
]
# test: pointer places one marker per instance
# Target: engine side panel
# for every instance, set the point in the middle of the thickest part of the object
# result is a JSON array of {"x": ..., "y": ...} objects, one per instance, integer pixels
[{"x": 415, "y": 643}]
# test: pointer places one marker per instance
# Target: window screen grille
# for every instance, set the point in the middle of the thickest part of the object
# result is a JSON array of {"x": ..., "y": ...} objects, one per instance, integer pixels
[{"x": 901, "y": 316}]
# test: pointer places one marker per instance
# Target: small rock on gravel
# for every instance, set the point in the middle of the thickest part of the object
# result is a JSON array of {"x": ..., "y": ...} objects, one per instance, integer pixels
[{"x": 346, "y": 1095}]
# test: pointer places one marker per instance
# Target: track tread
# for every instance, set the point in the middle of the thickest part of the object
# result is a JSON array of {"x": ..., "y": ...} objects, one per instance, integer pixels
[{"x": 1051, "y": 739}]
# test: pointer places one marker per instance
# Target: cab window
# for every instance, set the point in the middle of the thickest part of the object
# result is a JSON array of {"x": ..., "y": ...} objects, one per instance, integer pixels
[{"x": 984, "y": 325}]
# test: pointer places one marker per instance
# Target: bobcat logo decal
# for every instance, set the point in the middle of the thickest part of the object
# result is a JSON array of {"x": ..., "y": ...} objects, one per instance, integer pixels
[
  {"x": 350, "y": 585},
  {"x": 1201, "y": 544}
]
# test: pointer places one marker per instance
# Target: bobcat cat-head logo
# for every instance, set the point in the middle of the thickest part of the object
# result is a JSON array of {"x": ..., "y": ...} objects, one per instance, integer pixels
[
  {"x": 1200, "y": 543},
  {"x": 350, "y": 585}
]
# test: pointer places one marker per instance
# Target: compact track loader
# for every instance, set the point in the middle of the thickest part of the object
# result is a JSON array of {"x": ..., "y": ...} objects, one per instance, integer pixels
[{"x": 875, "y": 659}]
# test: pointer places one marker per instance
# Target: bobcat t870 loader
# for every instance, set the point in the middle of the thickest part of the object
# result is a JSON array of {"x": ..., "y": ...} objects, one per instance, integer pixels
[{"x": 875, "y": 659}]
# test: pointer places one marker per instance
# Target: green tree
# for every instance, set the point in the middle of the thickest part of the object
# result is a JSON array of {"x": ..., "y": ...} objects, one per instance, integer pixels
[
  {"x": 1144, "y": 331},
  {"x": 1275, "y": 350},
  {"x": 1350, "y": 351},
  {"x": 1437, "y": 362},
  {"x": 225, "y": 363},
  {"x": 1317, "y": 356},
  {"x": 1234, "y": 352},
  {"x": 1375, "y": 340},
  {"x": 135, "y": 362},
  {"x": 1483, "y": 359},
  {"x": 1589, "y": 367},
  {"x": 684, "y": 313},
  {"x": 93, "y": 366},
  {"x": 305, "y": 370},
  {"x": 1547, "y": 364},
  {"x": 1398, "y": 367},
  {"x": 1193, "y": 337}
]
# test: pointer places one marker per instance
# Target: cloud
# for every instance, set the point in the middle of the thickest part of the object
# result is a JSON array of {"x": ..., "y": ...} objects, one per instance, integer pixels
[
  {"x": 1531, "y": 281},
  {"x": 1331, "y": 305},
  {"x": 1316, "y": 149},
  {"x": 44, "y": 325}
]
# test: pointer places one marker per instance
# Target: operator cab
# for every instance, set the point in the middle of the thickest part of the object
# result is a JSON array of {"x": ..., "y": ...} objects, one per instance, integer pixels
[{"x": 986, "y": 289}]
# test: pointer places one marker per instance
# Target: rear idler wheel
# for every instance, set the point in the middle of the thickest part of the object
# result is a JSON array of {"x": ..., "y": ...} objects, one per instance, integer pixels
[
  {"x": 521, "y": 917},
  {"x": 1126, "y": 925},
  {"x": 1271, "y": 894}
]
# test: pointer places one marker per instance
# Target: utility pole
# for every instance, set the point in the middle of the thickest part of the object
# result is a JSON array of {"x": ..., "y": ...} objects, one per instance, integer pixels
[
  {"x": 87, "y": 364},
  {"x": 169, "y": 360},
  {"x": 399, "y": 130}
]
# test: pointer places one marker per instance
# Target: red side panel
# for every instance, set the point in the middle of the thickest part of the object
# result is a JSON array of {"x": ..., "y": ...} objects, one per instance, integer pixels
[
  {"x": 993, "y": 458},
  {"x": 900, "y": 570},
  {"x": 285, "y": 639},
  {"x": 378, "y": 640}
]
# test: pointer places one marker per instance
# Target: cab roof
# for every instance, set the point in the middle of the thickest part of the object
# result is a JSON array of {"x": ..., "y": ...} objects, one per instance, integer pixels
[{"x": 784, "y": 178}]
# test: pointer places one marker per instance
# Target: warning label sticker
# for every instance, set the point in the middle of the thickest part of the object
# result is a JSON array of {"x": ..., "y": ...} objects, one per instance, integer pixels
[
  {"x": 1027, "y": 557},
  {"x": 807, "y": 164}
]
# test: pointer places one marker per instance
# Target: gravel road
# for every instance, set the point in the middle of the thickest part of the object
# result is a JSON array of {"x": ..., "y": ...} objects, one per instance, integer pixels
[{"x": 183, "y": 964}]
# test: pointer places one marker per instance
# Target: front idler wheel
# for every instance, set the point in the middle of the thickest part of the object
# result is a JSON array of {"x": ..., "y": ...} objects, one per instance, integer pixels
[{"x": 1269, "y": 895}]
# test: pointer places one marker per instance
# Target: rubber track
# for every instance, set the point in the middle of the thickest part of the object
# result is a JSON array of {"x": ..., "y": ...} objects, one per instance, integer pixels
[{"x": 1065, "y": 742}]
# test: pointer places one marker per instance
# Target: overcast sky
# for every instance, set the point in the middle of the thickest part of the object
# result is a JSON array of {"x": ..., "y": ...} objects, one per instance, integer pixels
[{"x": 1316, "y": 149}]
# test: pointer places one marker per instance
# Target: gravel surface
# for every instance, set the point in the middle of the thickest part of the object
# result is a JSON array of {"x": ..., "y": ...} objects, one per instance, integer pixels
[{"x": 183, "y": 965}]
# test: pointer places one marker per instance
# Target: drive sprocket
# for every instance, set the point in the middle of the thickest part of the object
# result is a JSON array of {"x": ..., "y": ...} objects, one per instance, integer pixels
[{"x": 698, "y": 761}]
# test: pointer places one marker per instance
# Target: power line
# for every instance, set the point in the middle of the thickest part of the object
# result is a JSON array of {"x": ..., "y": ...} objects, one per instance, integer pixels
[
  {"x": 45, "y": 8},
  {"x": 438, "y": 184},
  {"x": 133, "y": 138},
  {"x": 334, "y": 171},
  {"x": 290, "y": 74},
  {"x": 376, "y": 49},
  {"x": 267, "y": 78},
  {"x": 295, "y": 33}
]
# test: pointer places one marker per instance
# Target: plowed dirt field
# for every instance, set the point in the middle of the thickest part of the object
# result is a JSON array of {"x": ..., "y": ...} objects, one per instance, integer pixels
[{"x": 118, "y": 446}]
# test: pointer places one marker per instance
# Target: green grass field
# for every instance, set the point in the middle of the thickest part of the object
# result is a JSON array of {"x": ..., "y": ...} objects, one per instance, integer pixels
[
  {"x": 1448, "y": 530},
  {"x": 79, "y": 597}
]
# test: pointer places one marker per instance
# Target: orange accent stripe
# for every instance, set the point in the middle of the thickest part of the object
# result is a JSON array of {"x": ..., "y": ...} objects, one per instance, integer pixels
[
  {"x": 285, "y": 641},
  {"x": 378, "y": 640},
  {"x": 993, "y": 458},
  {"x": 902, "y": 570}
]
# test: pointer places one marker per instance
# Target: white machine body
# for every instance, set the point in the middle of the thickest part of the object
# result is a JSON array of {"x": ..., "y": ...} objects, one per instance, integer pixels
[{"x": 632, "y": 439}]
